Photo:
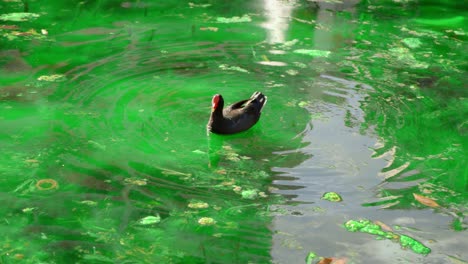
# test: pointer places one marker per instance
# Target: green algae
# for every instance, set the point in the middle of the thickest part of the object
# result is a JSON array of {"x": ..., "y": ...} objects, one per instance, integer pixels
[
  {"x": 332, "y": 197},
  {"x": 367, "y": 226}
]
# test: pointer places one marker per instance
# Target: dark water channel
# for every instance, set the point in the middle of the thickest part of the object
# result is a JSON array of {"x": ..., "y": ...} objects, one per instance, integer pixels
[{"x": 106, "y": 159}]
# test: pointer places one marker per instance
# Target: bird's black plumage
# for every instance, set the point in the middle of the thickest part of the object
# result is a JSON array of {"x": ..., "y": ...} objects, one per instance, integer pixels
[{"x": 237, "y": 117}]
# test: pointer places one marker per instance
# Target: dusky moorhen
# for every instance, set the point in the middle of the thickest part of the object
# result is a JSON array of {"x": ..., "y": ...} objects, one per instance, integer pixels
[{"x": 237, "y": 117}]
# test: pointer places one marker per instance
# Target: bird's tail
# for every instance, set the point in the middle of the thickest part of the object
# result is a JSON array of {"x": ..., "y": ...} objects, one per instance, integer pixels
[{"x": 260, "y": 98}]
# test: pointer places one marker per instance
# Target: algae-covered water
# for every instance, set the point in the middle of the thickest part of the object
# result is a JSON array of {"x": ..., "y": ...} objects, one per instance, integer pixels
[{"x": 106, "y": 159}]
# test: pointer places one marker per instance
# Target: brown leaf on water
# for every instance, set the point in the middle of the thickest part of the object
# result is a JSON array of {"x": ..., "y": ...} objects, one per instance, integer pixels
[
  {"x": 339, "y": 260},
  {"x": 31, "y": 32},
  {"x": 214, "y": 29},
  {"x": 221, "y": 171},
  {"x": 333, "y": 261},
  {"x": 9, "y": 27},
  {"x": 383, "y": 226},
  {"x": 425, "y": 200},
  {"x": 325, "y": 261}
]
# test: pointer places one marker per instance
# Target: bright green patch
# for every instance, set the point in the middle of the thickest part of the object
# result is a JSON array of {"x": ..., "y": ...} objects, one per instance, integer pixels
[
  {"x": 367, "y": 226},
  {"x": 445, "y": 22},
  {"x": 311, "y": 257},
  {"x": 332, "y": 197}
]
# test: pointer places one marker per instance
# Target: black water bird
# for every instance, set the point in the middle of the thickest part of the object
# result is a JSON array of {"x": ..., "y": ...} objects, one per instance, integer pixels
[{"x": 237, "y": 117}]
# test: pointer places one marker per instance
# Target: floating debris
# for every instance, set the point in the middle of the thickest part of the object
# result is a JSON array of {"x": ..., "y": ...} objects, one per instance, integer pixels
[
  {"x": 149, "y": 220},
  {"x": 28, "y": 209},
  {"x": 235, "y": 19},
  {"x": 313, "y": 53},
  {"x": 404, "y": 55},
  {"x": 292, "y": 72},
  {"x": 198, "y": 205},
  {"x": 135, "y": 181},
  {"x": 332, "y": 197},
  {"x": 303, "y": 104},
  {"x": 46, "y": 184},
  {"x": 311, "y": 257},
  {"x": 192, "y": 5},
  {"x": 206, "y": 221},
  {"x": 18, "y": 17},
  {"x": 367, "y": 226},
  {"x": 412, "y": 42},
  {"x": 226, "y": 67},
  {"x": 289, "y": 44},
  {"x": 214, "y": 29},
  {"x": 52, "y": 78},
  {"x": 249, "y": 194},
  {"x": 425, "y": 200},
  {"x": 88, "y": 202}
]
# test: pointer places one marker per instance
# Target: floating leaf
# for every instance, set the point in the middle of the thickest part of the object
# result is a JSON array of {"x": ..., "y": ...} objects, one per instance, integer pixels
[
  {"x": 52, "y": 78},
  {"x": 149, "y": 220},
  {"x": 325, "y": 261},
  {"x": 311, "y": 257},
  {"x": 249, "y": 194},
  {"x": 232, "y": 68},
  {"x": 404, "y": 55},
  {"x": 332, "y": 197},
  {"x": 425, "y": 200},
  {"x": 18, "y": 17},
  {"x": 383, "y": 226},
  {"x": 303, "y": 104},
  {"x": 198, "y": 205},
  {"x": 313, "y": 53},
  {"x": 367, "y": 226},
  {"x": 214, "y": 29},
  {"x": 292, "y": 72},
  {"x": 412, "y": 42},
  {"x": 332, "y": 261},
  {"x": 29, "y": 209},
  {"x": 136, "y": 181},
  {"x": 236, "y": 19},
  {"x": 88, "y": 202},
  {"x": 9, "y": 27},
  {"x": 416, "y": 246},
  {"x": 339, "y": 260},
  {"x": 206, "y": 221},
  {"x": 289, "y": 44}
]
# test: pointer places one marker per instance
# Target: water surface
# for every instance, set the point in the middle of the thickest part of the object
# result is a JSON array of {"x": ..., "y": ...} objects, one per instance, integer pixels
[{"x": 106, "y": 158}]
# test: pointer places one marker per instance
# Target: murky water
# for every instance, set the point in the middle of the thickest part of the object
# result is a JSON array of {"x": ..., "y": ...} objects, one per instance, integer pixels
[{"x": 106, "y": 158}]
